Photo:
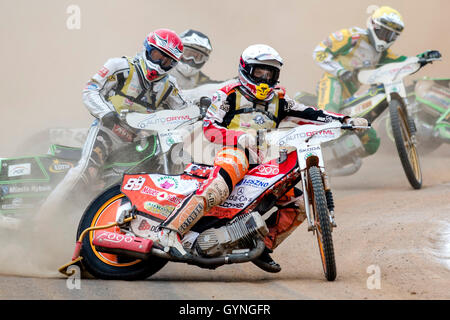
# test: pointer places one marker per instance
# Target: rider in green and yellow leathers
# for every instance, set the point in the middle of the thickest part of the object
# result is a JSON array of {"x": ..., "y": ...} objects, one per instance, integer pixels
[{"x": 345, "y": 51}]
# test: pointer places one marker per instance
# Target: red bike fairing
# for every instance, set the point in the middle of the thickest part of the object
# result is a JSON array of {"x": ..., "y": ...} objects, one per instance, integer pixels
[{"x": 158, "y": 195}]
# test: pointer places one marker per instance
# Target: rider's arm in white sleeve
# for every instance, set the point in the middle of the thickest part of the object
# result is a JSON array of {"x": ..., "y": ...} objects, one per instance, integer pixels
[
  {"x": 339, "y": 43},
  {"x": 175, "y": 99},
  {"x": 102, "y": 85}
]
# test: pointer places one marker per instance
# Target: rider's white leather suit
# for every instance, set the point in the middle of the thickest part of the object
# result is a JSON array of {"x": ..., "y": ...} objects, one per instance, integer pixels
[{"x": 118, "y": 85}]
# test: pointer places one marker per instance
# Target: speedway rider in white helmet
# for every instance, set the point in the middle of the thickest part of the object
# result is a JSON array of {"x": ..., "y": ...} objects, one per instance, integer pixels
[
  {"x": 138, "y": 84},
  {"x": 237, "y": 111},
  {"x": 197, "y": 49}
]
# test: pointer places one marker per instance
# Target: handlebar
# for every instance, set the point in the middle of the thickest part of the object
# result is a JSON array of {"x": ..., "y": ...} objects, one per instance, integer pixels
[
  {"x": 425, "y": 61},
  {"x": 343, "y": 127},
  {"x": 352, "y": 127}
]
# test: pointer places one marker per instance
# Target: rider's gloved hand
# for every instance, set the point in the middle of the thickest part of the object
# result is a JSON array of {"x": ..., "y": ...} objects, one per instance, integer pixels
[
  {"x": 429, "y": 54},
  {"x": 204, "y": 104},
  {"x": 110, "y": 119},
  {"x": 360, "y": 122},
  {"x": 249, "y": 142},
  {"x": 346, "y": 75}
]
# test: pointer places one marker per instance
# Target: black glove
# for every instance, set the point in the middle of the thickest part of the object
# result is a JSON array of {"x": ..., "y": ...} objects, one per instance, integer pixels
[
  {"x": 110, "y": 119},
  {"x": 430, "y": 54},
  {"x": 205, "y": 102}
]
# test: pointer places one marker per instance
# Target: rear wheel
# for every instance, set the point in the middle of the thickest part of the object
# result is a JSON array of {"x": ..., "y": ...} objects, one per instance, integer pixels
[
  {"x": 401, "y": 130},
  {"x": 323, "y": 223},
  {"x": 102, "y": 211}
]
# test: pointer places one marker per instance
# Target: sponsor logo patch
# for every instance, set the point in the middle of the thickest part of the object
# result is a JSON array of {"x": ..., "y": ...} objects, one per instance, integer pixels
[
  {"x": 253, "y": 183},
  {"x": 154, "y": 207},
  {"x": 268, "y": 169},
  {"x": 16, "y": 170},
  {"x": 103, "y": 72},
  {"x": 161, "y": 195},
  {"x": 60, "y": 166},
  {"x": 167, "y": 182},
  {"x": 122, "y": 133}
]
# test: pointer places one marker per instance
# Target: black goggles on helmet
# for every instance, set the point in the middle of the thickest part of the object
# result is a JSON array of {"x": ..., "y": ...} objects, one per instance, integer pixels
[
  {"x": 159, "y": 57},
  {"x": 386, "y": 34},
  {"x": 387, "y": 30},
  {"x": 264, "y": 74}
]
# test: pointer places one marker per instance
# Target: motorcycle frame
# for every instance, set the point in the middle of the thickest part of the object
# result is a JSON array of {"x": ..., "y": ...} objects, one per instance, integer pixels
[{"x": 443, "y": 120}]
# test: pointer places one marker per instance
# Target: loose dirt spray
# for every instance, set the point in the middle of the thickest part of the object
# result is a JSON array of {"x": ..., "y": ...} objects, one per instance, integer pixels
[
  {"x": 439, "y": 243},
  {"x": 37, "y": 248}
]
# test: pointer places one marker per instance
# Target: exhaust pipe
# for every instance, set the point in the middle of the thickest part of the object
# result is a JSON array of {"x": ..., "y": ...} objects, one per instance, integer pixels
[
  {"x": 116, "y": 243},
  {"x": 140, "y": 248},
  {"x": 213, "y": 263}
]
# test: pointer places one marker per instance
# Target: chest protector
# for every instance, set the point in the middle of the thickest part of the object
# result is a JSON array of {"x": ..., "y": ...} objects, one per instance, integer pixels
[
  {"x": 132, "y": 94},
  {"x": 244, "y": 114}
]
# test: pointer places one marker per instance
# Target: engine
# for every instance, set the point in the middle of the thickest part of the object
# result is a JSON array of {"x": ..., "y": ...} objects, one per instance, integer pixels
[{"x": 239, "y": 233}]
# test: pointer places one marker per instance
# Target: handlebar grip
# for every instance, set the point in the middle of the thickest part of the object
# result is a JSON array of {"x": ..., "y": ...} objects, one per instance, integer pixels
[
  {"x": 423, "y": 62},
  {"x": 351, "y": 127},
  {"x": 347, "y": 127}
]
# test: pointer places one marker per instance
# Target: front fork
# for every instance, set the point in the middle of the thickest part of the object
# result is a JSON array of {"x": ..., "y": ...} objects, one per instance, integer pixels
[
  {"x": 329, "y": 197},
  {"x": 307, "y": 195},
  {"x": 411, "y": 123}
]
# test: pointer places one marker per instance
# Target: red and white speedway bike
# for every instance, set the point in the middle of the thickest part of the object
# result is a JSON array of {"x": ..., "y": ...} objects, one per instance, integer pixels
[{"x": 117, "y": 231}]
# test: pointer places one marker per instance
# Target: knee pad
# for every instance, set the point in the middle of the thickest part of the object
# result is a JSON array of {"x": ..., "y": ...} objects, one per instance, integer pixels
[{"x": 234, "y": 162}]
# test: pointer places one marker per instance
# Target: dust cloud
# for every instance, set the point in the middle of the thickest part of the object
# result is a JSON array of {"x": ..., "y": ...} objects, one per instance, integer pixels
[
  {"x": 39, "y": 248},
  {"x": 46, "y": 65}
]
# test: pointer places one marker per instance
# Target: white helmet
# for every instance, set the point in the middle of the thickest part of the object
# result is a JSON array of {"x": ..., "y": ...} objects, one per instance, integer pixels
[
  {"x": 384, "y": 26},
  {"x": 260, "y": 56},
  {"x": 197, "y": 49}
]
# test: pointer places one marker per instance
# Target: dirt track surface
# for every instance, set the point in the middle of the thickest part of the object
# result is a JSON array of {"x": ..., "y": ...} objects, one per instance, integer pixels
[{"x": 383, "y": 224}]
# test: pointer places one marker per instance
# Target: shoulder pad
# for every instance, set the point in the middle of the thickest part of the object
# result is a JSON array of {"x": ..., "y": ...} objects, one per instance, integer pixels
[
  {"x": 110, "y": 68},
  {"x": 341, "y": 35},
  {"x": 115, "y": 64},
  {"x": 230, "y": 87}
]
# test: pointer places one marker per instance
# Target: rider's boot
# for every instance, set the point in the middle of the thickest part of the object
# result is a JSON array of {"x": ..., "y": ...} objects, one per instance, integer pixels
[
  {"x": 230, "y": 166},
  {"x": 265, "y": 262},
  {"x": 282, "y": 223},
  {"x": 212, "y": 192},
  {"x": 370, "y": 141}
]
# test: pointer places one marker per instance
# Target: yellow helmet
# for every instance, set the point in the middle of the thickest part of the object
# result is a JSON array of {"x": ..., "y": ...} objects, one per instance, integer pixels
[{"x": 384, "y": 25}]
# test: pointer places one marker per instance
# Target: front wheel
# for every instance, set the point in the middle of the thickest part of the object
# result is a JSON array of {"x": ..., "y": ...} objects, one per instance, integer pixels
[
  {"x": 102, "y": 211},
  {"x": 323, "y": 223},
  {"x": 406, "y": 147}
]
